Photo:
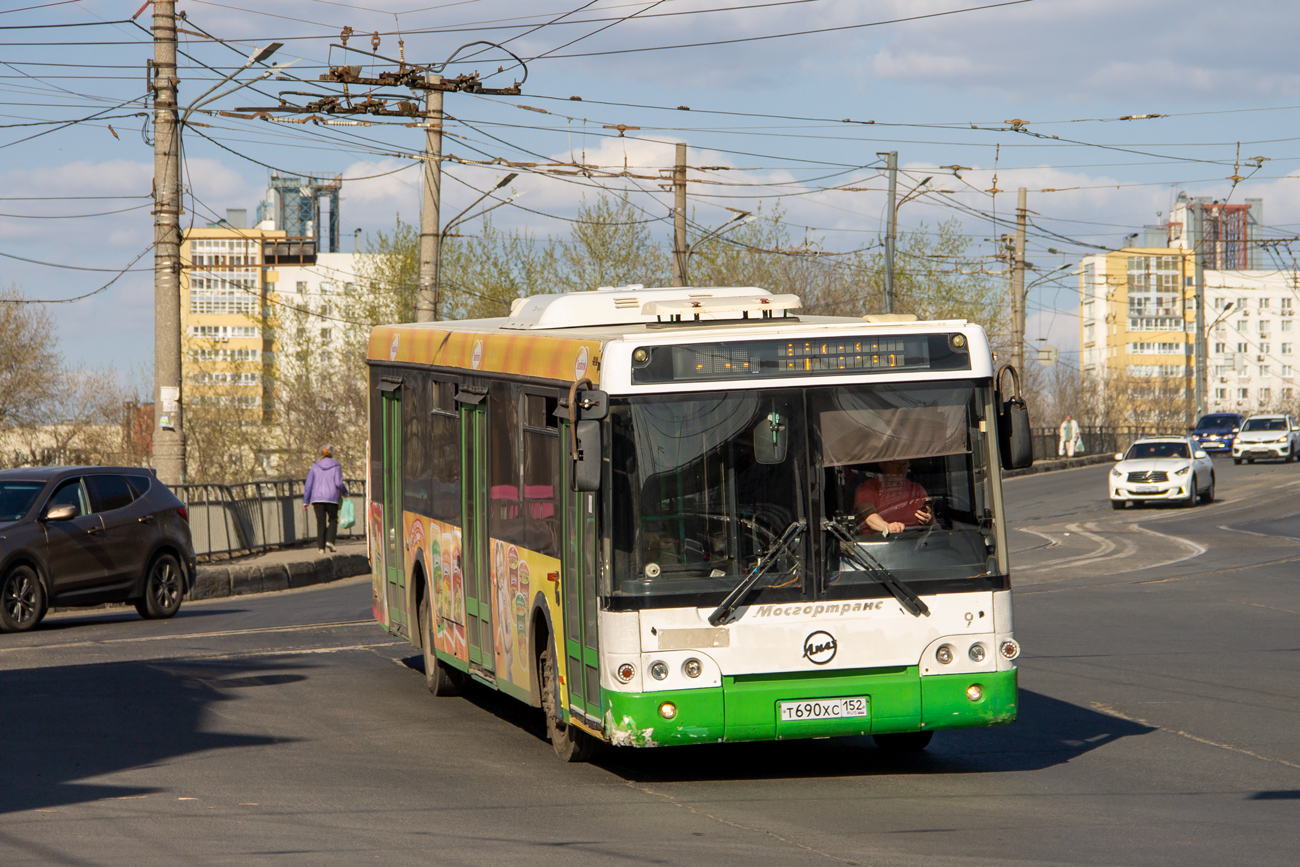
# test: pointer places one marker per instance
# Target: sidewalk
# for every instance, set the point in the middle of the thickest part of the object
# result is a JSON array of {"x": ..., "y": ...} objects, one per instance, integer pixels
[{"x": 280, "y": 569}]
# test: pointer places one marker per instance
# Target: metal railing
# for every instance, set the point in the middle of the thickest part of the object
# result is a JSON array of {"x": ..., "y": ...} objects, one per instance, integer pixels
[
  {"x": 252, "y": 517},
  {"x": 1096, "y": 440}
]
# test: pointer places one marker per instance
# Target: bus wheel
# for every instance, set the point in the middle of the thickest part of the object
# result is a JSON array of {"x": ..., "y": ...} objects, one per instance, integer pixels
[
  {"x": 903, "y": 742},
  {"x": 439, "y": 677},
  {"x": 570, "y": 742}
]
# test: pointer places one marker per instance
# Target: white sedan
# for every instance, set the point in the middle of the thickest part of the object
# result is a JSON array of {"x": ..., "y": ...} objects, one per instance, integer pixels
[{"x": 1162, "y": 469}]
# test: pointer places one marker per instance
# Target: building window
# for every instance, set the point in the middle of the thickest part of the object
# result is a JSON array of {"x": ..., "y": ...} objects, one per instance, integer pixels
[
  {"x": 1087, "y": 333},
  {"x": 1220, "y": 348},
  {"x": 1286, "y": 371},
  {"x": 300, "y": 287},
  {"x": 1263, "y": 370},
  {"x": 1243, "y": 348},
  {"x": 1286, "y": 348},
  {"x": 1243, "y": 393},
  {"x": 1264, "y": 325},
  {"x": 1155, "y": 348},
  {"x": 1265, "y": 394},
  {"x": 1286, "y": 304},
  {"x": 326, "y": 287},
  {"x": 1287, "y": 323},
  {"x": 1263, "y": 303},
  {"x": 325, "y": 334},
  {"x": 1220, "y": 394},
  {"x": 1263, "y": 347},
  {"x": 1286, "y": 394}
]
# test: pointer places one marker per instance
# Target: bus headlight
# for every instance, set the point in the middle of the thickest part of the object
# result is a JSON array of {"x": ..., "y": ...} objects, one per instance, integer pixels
[
  {"x": 668, "y": 710},
  {"x": 974, "y": 692},
  {"x": 944, "y": 653},
  {"x": 692, "y": 668},
  {"x": 976, "y": 653},
  {"x": 1010, "y": 649},
  {"x": 625, "y": 672},
  {"x": 658, "y": 670}
]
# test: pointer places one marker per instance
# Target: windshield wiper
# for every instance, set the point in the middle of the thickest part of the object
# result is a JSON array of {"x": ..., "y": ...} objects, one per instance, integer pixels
[
  {"x": 769, "y": 556},
  {"x": 905, "y": 595}
]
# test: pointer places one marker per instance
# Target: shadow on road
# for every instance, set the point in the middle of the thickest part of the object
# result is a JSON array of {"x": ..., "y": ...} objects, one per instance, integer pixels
[
  {"x": 64, "y": 725},
  {"x": 1049, "y": 732},
  {"x": 63, "y": 619}
]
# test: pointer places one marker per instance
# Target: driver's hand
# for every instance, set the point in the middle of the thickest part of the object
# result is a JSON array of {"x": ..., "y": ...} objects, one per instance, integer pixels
[
  {"x": 897, "y": 526},
  {"x": 924, "y": 515}
]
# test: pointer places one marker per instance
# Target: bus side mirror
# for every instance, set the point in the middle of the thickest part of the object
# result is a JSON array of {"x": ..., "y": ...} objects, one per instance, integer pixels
[
  {"x": 586, "y": 461},
  {"x": 1014, "y": 438}
]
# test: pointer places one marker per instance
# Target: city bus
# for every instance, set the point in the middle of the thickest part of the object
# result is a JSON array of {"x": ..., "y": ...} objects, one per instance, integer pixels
[{"x": 684, "y": 516}]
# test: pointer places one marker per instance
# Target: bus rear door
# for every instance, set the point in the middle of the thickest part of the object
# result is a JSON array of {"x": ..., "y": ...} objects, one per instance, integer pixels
[{"x": 391, "y": 406}]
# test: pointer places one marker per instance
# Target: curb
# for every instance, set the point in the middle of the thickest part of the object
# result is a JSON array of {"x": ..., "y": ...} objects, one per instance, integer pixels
[
  {"x": 214, "y": 582},
  {"x": 1066, "y": 464}
]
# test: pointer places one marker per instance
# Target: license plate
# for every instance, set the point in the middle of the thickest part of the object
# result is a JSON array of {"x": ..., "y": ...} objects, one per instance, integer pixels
[
  {"x": 829, "y": 708},
  {"x": 1146, "y": 490}
]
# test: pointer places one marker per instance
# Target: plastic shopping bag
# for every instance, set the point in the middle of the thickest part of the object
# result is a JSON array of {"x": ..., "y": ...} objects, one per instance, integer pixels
[
  {"x": 1078, "y": 445},
  {"x": 347, "y": 514}
]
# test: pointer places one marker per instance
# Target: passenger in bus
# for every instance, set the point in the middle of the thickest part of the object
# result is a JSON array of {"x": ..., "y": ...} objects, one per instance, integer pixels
[{"x": 890, "y": 502}]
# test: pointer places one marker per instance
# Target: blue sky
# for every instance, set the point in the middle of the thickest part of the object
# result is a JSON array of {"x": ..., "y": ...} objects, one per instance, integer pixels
[{"x": 768, "y": 103}]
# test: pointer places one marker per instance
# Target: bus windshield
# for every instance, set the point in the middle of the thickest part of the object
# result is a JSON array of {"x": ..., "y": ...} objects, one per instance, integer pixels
[{"x": 712, "y": 480}]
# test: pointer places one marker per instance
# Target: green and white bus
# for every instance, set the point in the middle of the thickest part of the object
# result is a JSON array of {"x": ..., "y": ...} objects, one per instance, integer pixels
[{"x": 683, "y": 516}]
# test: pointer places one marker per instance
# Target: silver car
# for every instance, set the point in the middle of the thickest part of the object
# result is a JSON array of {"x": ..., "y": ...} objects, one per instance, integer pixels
[{"x": 1162, "y": 469}]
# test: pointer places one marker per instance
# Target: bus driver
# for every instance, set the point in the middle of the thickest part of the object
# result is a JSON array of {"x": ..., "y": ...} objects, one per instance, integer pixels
[{"x": 889, "y": 502}]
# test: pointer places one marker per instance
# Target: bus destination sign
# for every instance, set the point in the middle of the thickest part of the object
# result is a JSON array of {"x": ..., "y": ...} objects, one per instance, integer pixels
[{"x": 774, "y": 359}]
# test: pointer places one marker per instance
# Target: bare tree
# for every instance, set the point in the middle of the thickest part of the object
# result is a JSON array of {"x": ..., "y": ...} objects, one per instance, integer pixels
[{"x": 30, "y": 362}]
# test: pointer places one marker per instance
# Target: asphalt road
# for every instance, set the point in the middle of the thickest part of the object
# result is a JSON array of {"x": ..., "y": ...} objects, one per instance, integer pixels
[{"x": 1160, "y": 725}]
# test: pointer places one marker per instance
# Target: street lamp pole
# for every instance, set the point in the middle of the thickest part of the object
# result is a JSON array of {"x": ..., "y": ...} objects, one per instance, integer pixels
[
  {"x": 169, "y": 459},
  {"x": 168, "y": 435}
]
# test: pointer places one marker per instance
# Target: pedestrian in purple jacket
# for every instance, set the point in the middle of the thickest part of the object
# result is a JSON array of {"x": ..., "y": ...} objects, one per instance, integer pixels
[{"x": 323, "y": 491}]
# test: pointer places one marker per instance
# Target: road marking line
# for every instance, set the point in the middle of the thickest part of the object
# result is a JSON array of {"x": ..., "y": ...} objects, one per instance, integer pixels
[{"x": 1107, "y": 709}]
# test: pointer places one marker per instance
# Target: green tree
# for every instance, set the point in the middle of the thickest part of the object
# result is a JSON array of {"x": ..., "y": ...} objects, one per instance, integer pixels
[{"x": 610, "y": 244}]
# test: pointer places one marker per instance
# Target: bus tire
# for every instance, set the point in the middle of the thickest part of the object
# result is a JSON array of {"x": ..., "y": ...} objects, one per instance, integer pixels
[
  {"x": 903, "y": 742},
  {"x": 441, "y": 679},
  {"x": 571, "y": 743}
]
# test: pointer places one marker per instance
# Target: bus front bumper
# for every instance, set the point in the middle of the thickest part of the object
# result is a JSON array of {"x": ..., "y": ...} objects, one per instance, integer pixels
[{"x": 748, "y": 707}]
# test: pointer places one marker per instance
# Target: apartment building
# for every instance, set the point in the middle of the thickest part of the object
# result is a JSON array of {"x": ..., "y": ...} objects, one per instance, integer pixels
[
  {"x": 254, "y": 297},
  {"x": 1138, "y": 310}
]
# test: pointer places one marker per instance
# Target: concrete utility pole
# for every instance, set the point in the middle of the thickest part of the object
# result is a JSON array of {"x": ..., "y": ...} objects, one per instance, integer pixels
[
  {"x": 891, "y": 227},
  {"x": 426, "y": 299},
  {"x": 679, "y": 217},
  {"x": 1018, "y": 284},
  {"x": 1202, "y": 389},
  {"x": 168, "y": 432}
]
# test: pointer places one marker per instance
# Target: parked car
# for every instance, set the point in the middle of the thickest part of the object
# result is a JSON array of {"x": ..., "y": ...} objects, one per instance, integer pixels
[
  {"x": 1267, "y": 436},
  {"x": 1217, "y": 431},
  {"x": 1162, "y": 469},
  {"x": 74, "y": 536}
]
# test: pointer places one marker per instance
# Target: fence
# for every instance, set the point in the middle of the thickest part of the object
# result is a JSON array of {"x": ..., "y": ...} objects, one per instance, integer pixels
[
  {"x": 256, "y": 516},
  {"x": 1096, "y": 440}
]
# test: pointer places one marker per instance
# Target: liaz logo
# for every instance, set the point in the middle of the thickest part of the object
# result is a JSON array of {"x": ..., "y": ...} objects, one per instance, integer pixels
[{"x": 819, "y": 647}]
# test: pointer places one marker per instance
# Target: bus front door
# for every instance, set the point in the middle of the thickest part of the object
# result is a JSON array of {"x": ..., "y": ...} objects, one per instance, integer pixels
[
  {"x": 581, "y": 598},
  {"x": 476, "y": 563},
  {"x": 394, "y": 559}
]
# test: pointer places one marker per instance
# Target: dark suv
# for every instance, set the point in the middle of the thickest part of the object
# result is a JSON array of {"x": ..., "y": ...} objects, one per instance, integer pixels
[
  {"x": 87, "y": 535},
  {"x": 1217, "y": 431}
]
